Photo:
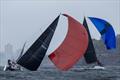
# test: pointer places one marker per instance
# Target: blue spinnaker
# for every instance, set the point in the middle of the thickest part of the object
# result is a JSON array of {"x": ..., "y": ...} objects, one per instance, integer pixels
[{"x": 106, "y": 31}]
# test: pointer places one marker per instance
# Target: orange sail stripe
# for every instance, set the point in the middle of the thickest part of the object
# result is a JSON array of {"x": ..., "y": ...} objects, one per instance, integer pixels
[{"x": 73, "y": 47}]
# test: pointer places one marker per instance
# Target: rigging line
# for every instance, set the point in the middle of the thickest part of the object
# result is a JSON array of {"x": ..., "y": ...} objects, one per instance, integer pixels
[
  {"x": 44, "y": 42},
  {"x": 22, "y": 51},
  {"x": 31, "y": 36},
  {"x": 41, "y": 31},
  {"x": 31, "y": 40}
]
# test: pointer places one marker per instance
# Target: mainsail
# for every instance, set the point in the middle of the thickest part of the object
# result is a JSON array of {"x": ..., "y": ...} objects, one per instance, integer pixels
[
  {"x": 90, "y": 55},
  {"x": 106, "y": 31},
  {"x": 35, "y": 54},
  {"x": 73, "y": 47}
]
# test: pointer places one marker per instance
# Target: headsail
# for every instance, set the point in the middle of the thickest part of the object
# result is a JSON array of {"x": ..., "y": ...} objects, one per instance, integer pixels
[
  {"x": 21, "y": 53},
  {"x": 35, "y": 54},
  {"x": 90, "y": 55},
  {"x": 106, "y": 31},
  {"x": 73, "y": 47}
]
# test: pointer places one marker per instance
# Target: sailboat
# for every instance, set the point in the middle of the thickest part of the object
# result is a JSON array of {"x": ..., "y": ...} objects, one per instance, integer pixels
[
  {"x": 108, "y": 36},
  {"x": 90, "y": 54},
  {"x": 33, "y": 57},
  {"x": 73, "y": 47}
]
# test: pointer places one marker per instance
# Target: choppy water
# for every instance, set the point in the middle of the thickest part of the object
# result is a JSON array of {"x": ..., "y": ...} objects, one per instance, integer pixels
[{"x": 111, "y": 73}]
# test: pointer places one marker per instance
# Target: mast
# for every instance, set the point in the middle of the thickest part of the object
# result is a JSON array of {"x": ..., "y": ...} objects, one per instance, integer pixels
[{"x": 35, "y": 54}]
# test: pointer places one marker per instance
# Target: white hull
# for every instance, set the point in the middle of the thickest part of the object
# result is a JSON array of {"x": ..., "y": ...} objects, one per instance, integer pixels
[
  {"x": 95, "y": 68},
  {"x": 6, "y": 68}
]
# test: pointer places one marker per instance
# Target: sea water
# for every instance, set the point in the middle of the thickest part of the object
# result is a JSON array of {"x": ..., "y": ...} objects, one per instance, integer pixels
[{"x": 76, "y": 73}]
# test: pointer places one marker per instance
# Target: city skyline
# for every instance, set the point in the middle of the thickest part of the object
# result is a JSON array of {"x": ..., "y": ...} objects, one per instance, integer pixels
[{"x": 9, "y": 52}]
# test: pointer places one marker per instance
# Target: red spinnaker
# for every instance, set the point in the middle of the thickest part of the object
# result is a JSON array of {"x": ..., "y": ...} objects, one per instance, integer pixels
[{"x": 73, "y": 46}]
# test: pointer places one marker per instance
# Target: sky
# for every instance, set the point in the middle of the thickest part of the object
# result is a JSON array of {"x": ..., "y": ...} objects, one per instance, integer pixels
[{"x": 24, "y": 20}]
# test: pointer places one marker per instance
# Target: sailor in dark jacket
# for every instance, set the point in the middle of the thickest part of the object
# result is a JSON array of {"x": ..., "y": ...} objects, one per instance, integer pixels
[{"x": 10, "y": 65}]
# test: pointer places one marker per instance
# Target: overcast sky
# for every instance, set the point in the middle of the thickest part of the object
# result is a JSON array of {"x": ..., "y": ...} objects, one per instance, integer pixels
[{"x": 25, "y": 20}]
